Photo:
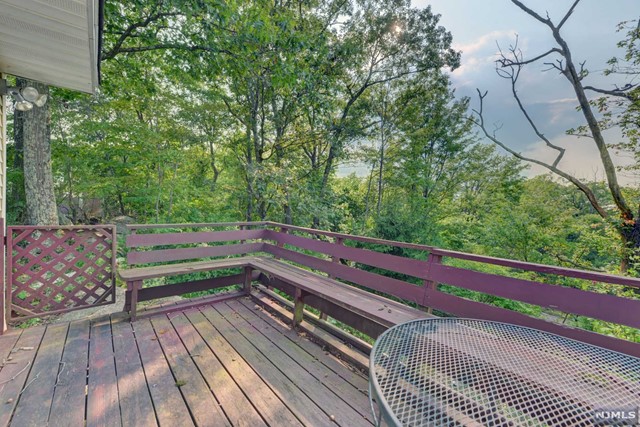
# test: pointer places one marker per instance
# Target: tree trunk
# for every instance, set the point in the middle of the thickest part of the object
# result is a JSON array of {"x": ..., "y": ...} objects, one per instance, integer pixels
[{"x": 34, "y": 130}]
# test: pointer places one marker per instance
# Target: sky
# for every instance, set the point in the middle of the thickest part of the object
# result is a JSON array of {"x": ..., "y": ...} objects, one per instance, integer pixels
[{"x": 477, "y": 25}]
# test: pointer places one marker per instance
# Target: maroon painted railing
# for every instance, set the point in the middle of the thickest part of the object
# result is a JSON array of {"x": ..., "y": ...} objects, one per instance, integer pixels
[
  {"x": 57, "y": 269},
  {"x": 332, "y": 253}
]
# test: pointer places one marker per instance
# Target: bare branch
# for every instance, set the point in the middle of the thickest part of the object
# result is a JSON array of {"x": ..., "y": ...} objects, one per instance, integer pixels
[
  {"x": 619, "y": 92},
  {"x": 509, "y": 62},
  {"x": 128, "y": 32},
  {"x": 568, "y": 14},
  {"x": 558, "y": 65},
  {"x": 531, "y": 12},
  {"x": 479, "y": 121},
  {"x": 552, "y": 66}
]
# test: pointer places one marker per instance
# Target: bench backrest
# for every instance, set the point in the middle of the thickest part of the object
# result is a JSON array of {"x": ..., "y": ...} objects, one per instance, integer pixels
[{"x": 152, "y": 244}]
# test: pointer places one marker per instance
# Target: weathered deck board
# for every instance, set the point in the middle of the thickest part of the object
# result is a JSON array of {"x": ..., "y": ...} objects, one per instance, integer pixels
[
  {"x": 239, "y": 367},
  {"x": 204, "y": 407},
  {"x": 103, "y": 407},
  {"x": 300, "y": 404},
  {"x": 171, "y": 410},
  {"x": 232, "y": 401},
  {"x": 72, "y": 378},
  {"x": 14, "y": 375},
  {"x": 7, "y": 342},
  {"x": 34, "y": 404},
  {"x": 350, "y": 395},
  {"x": 295, "y": 368},
  {"x": 353, "y": 377},
  {"x": 135, "y": 401},
  {"x": 271, "y": 408}
]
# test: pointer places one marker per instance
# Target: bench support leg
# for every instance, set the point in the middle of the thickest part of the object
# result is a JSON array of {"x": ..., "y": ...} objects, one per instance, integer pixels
[
  {"x": 247, "y": 279},
  {"x": 127, "y": 300},
  {"x": 133, "y": 288},
  {"x": 298, "y": 307}
]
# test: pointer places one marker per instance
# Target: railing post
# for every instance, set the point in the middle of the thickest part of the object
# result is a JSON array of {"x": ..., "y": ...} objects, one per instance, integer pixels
[
  {"x": 133, "y": 287},
  {"x": 242, "y": 228},
  {"x": 336, "y": 260},
  {"x": 247, "y": 280},
  {"x": 283, "y": 230},
  {"x": 430, "y": 285},
  {"x": 279, "y": 244}
]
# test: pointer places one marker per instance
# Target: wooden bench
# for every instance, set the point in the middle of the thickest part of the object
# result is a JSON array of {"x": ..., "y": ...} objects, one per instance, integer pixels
[
  {"x": 367, "y": 312},
  {"x": 135, "y": 276},
  {"x": 381, "y": 312}
]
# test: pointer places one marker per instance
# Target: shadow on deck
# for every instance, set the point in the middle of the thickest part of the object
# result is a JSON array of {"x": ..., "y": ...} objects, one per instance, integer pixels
[{"x": 224, "y": 363}]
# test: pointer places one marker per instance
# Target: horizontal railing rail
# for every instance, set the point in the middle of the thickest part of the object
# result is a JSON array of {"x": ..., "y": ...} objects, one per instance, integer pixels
[
  {"x": 416, "y": 280},
  {"x": 133, "y": 227}
]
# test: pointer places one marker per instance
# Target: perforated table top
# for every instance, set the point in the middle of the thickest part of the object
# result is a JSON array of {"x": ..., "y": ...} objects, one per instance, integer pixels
[{"x": 464, "y": 372}]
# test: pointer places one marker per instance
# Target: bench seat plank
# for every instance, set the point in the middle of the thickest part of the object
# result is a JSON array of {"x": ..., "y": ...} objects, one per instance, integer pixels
[
  {"x": 141, "y": 273},
  {"x": 366, "y": 304}
]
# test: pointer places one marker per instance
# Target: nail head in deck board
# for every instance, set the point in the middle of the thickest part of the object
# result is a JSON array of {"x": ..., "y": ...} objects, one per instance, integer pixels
[
  {"x": 234, "y": 403},
  {"x": 72, "y": 378},
  {"x": 168, "y": 402},
  {"x": 305, "y": 409},
  {"x": 343, "y": 390},
  {"x": 20, "y": 369},
  {"x": 103, "y": 408},
  {"x": 35, "y": 402},
  {"x": 268, "y": 404},
  {"x": 350, "y": 375},
  {"x": 135, "y": 401},
  {"x": 203, "y": 406}
]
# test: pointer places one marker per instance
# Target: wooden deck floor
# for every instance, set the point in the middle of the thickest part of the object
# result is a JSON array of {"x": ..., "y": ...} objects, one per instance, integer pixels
[{"x": 217, "y": 365}]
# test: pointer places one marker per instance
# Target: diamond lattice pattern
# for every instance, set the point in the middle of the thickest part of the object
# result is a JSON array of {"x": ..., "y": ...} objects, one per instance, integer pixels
[{"x": 60, "y": 269}]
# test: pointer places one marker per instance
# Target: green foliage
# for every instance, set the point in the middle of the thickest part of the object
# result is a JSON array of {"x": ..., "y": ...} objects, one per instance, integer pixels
[{"x": 216, "y": 111}]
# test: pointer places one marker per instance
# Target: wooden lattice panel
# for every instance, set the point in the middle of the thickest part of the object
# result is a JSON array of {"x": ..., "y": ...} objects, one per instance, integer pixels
[{"x": 54, "y": 270}]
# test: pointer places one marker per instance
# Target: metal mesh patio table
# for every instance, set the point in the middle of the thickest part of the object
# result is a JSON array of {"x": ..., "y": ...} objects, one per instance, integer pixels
[{"x": 465, "y": 372}]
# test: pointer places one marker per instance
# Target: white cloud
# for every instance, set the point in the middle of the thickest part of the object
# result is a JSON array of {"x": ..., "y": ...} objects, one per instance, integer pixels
[
  {"x": 483, "y": 41},
  {"x": 480, "y": 54},
  {"x": 559, "y": 109}
]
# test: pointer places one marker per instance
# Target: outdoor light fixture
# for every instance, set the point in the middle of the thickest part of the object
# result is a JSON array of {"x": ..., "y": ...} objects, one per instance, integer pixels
[{"x": 25, "y": 97}]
